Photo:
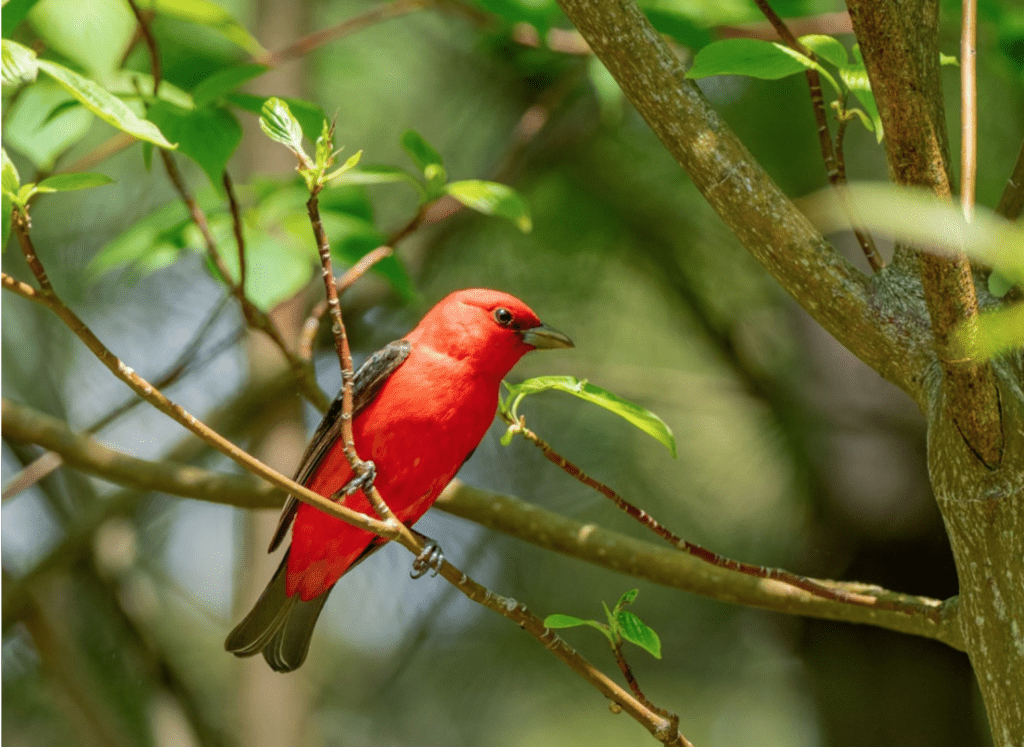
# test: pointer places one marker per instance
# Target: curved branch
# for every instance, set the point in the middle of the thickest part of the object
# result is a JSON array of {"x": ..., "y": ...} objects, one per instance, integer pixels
[
  {"x": 512, "y": 516},
  {"x": 767, "y": 223}
]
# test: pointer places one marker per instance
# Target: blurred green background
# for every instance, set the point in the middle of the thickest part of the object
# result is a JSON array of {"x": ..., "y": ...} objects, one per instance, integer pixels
[{"x": 791, "y": 452}]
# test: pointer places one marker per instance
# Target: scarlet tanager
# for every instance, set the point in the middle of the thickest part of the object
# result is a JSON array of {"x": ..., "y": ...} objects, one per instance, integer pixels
[{"x": 421, "y": 406}]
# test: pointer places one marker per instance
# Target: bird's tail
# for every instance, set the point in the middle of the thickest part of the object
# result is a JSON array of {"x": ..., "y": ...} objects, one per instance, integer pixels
[{"x": 279, "y": 625}]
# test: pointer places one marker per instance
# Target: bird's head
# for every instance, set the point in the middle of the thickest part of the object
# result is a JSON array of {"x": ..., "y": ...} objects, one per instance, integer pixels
[{"x": 493, "y": 328}]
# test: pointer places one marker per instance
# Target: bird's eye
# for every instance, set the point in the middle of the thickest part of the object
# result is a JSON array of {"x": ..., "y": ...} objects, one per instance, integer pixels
[{"x": 503, "y": 316}]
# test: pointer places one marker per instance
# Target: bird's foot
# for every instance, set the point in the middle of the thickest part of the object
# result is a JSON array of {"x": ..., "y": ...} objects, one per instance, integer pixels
[
  {"x": 430, "y": 559},
  {"x": 366, "y": 473}
]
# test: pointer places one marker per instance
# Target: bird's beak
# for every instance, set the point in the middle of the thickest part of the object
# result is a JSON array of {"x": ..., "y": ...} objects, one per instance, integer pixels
[{"x": 544, "y": 337}]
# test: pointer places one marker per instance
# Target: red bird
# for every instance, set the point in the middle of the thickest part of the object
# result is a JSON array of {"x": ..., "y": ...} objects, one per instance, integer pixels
[{"x": 421, "y": 406}]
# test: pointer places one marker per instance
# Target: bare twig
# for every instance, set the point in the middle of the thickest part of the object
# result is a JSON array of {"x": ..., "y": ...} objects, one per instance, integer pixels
[
  {"x": 667, "y": 566},
  {"x": 48, "y": 462},
  {"x": 776, "y": 574},
  {"x": 338, "y": 329},
  {"x": 660, "y": 727},
  {"x": 824, "y": 23},
  {"x": 147, "y": 38},
  {"x": 834, "y": 165},
  {"x": 312, "y": 324},
  {"x": 627, "y": 672},
  {"x": 923, "y": 616},
  {"x": 370, "y": 17},
  {"x": 156, "y": 398},
  {"x": 254, "y": 316},
  {"x": 236, "y": 224}
]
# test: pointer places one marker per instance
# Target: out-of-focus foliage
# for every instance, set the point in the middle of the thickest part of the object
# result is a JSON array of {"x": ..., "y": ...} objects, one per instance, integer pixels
[{"x": 790, "y": 452}]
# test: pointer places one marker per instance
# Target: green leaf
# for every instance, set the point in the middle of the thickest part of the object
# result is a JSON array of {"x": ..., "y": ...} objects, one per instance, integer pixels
[
  {"x": 278, "y": 123},
  {"x": 639, "y": 416},
  {"x": 311, "y": 117},
  {"x": 19, "y": 64},
  {"x": 44, "y": 122},
  {"x": 420, "y": 151},
  {"x": 71, "y": 182},
  {"x": 753, "y": 57},
  {"x": 25, "y": 193},
  {"x": 209, "y": 136},
  {"x": 349, "y": 164},
  {"x": 556, "y": 622},
  {"x": 209, "y": 14},
  {"x": 626, "y": 599},
  {"x": 9, "y": 178},
  {"x": 634, "y": 630},
  {"x": 103, "y": 104},
  {"x": 491, "y": 198},
  {"x": 91, "y": 35},
  {"x": 855, "y": 77},
  {"x": 827, "y": 48},
  {"x": 948, "y": 59},
  {"x": 215, "y": 86},
  {"x": 564, "y": 621},
  {"x": 998, "y": 332}
]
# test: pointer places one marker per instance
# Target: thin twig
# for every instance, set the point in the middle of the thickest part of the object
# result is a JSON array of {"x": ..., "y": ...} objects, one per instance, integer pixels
[
  {"x": 236, "y": 224},
  {"x": 21, "y": 223},
  {"x": 824, "y": 23},
  {"x": 323, "y": 246},
  {"x": 311, "y": 326},
  {"x": 370, "y": 17},
  {"x": 609, "y": 550},
  {"x": 49, "y": 461},
  {"x": 660, "y": 727},
  {"x": 147, "y": 37},
  {"x": 255, "y": 317},
  {"x": 631, "y": 680},
  {"x": 777, "y": 574},
  {"x": 836, "y": 173}
]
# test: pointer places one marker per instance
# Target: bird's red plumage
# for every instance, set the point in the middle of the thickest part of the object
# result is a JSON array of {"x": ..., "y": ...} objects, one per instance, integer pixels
[{"x": 426, "y": 419}]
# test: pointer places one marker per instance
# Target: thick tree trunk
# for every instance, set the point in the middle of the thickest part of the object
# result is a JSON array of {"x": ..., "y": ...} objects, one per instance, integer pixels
[{"x": 984, "y": 514}]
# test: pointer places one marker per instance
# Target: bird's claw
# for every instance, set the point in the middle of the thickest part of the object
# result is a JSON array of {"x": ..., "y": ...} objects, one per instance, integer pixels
[
  {"x": 429, "y": 559},
  {"x": 367, "y": 473}
]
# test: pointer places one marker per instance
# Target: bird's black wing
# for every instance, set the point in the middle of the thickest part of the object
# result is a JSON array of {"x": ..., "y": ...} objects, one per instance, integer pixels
[{"x": 365, "y": 384}]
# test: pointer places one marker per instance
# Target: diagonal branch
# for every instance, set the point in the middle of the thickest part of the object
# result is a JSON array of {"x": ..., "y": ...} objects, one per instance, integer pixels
[
  {"x": 916, "y": 616},
  {"x": 767, "y": 223}
]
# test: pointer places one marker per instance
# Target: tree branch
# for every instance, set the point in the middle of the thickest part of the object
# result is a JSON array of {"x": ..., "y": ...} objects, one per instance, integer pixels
[
  {"x": 829, "y": 288},
  {"x": 919, "y": 616},
  {"x": 660, "y": 727},
  {"x": 900, "y": 48}
]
